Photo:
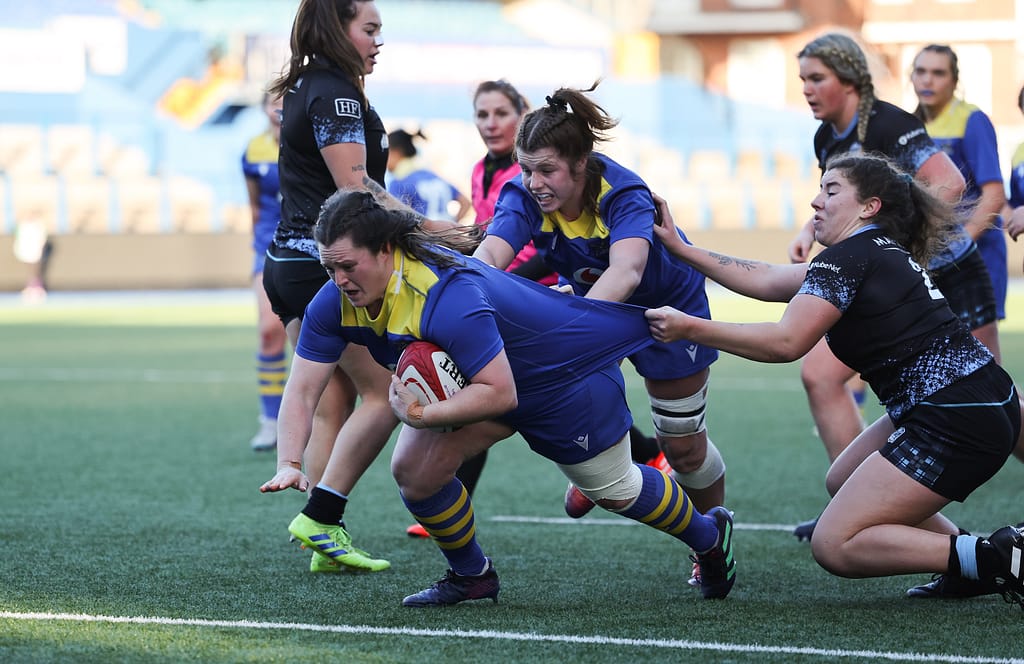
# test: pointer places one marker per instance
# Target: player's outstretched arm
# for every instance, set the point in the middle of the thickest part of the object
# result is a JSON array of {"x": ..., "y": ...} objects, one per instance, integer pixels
[
  {"x": 804, "y": 322},
  {"x": 763, "y": 281},
  {"x": 306, "y": 383}
]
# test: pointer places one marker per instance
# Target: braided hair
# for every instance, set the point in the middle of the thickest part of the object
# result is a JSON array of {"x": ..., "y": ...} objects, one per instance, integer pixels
[
  {"x": 570, "y": 124},
  {"x": 845, "y": 58}
]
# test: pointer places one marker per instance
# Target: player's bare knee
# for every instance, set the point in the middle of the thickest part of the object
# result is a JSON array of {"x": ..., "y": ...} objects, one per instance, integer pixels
[
  {"x": 707, "y": 472},
  {"x": 834, "y": 479}
]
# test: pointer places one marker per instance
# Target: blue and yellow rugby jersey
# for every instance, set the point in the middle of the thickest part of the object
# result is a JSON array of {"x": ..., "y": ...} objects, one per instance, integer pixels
[
  {"x": 579, "y": 250},
  {"x": 473, "y": 311},
  {"x": 259, "y": 162},
  {"x": 1017, "y": 177},
  {"x": 966, "y": 134}
]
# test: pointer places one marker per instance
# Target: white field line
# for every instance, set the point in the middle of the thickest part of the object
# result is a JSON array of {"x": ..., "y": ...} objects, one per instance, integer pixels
[
  {"x": 667, "y": 644},
  {"x": 111, "y": 375}
]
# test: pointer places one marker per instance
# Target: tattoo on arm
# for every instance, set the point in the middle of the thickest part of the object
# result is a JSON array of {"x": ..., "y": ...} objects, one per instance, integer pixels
[{"x": 738, "y": 262}]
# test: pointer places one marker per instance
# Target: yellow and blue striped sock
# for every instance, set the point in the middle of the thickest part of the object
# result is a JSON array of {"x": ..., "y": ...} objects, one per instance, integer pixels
[
  {"x": 663, "y": 505},
  {"x": 448, "y": 517},
  {"x": 272, "y": 371}
]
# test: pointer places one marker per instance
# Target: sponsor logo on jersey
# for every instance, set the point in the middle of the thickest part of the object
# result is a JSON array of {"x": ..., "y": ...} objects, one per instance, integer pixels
[
  {"x": 905, "y": 138},
  {"x": 348, "y": 108},
  {"x": 691, "y": 350},
  {"x": 587, "y": 275},
  {"x": 583, "y": 441}
]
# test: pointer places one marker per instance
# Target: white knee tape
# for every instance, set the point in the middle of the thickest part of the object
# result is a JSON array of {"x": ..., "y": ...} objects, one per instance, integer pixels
[
  {"x": 708, "y": 473},
  {"x": 611, "y": 474},
  {"x": 627, "y": 487},
  {"x": 680, "y": 417}
]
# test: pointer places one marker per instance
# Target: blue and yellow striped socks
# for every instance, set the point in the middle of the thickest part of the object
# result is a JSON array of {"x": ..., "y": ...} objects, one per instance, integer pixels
[{"x": 448, "y": 517}]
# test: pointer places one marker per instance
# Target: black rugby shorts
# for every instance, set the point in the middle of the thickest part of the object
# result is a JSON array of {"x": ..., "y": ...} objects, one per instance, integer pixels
[{"x": 291, "y": 279}]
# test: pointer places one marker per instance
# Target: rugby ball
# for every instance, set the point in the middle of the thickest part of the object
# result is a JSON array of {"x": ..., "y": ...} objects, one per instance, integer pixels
[{"x": 427, "y": 371}]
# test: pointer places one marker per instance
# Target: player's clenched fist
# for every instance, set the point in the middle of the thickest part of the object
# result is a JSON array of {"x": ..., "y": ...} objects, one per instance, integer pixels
[{"x": 667, "y": 323}]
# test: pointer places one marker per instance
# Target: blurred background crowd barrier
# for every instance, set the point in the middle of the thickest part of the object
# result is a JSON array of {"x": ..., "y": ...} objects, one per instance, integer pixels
[{"x": 122, "y": 122}]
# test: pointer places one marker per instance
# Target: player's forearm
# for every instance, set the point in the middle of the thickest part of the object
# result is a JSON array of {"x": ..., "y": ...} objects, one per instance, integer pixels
[{"x": 762, "y": 281}]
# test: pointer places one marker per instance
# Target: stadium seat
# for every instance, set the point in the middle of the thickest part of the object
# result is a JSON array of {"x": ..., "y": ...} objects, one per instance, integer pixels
[
  {"x": 139, "y": 201},
  {"x": 687, "y": 205},
  {"x": 801, "y": 193},
  {"x": 787, "y": 166},
  {"x": 190, "y": 204},
  {"x": 769, "y": 206},
  {"x": 70, "y": 149},
  {"x": 750, "y": 166},
  {"x": 36, "y": 197},
  {"x": 661, "y": 168},
  {"x": 236, "y": 218},
  {"x": 118, "y": 160},
  {"x": 709, "y": 165},
  {"x": 87, "y": 203},
  {"x": 728, "y": 205},
  {"x": 6, "y": 214},
  {"x": 21, "y": 149}
]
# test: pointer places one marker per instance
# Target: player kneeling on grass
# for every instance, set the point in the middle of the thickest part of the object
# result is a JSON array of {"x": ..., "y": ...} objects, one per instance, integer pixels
[
  {"x": 537, "y": 363},
  {"x": 952, "y": 414}
]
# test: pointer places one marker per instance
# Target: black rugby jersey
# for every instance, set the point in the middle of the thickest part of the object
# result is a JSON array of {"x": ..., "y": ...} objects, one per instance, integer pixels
[
  {"x": 896, "y": 329},
  {"x": 324, "y": 108},
  {"x": 891, "y": 131}
]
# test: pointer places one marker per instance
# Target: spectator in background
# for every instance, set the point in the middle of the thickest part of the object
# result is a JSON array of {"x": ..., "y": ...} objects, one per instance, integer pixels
[
  {"x": 32, "y": 246},
  {"x": 952, "y": 413},
  {"x": 966, "y": 134},
  {"x": 1015, "y": 204},
  {"x": 416, "y": 186},
  {"x": 259, "y": 166},
  {"x": 497, "y": 109}
]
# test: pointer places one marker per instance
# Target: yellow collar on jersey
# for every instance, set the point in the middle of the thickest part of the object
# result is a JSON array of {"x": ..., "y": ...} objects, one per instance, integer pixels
[
  {"x": 587, "y": 225},
  {"x": 401, "y": 311},
  {"x": 262, "y": 149},
  {"x": 952, "y": 121}
]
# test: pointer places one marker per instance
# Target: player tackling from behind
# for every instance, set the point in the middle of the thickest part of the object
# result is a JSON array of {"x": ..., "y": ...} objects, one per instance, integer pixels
[
  {"x": 952, "y": 413},
  {"x": 390, "y": 285}
]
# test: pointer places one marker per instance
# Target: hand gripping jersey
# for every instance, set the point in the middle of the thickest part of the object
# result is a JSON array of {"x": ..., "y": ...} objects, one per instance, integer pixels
[
  {"x": 578, "y": 251},
  {"x": 896, "y": 329},
  {"x": 473, "y": 311},
  {"x": 324, "y": 108}
]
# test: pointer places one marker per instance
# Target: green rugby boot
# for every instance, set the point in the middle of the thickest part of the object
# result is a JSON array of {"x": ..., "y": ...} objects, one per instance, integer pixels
[{"x": 334, "y": 544}]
